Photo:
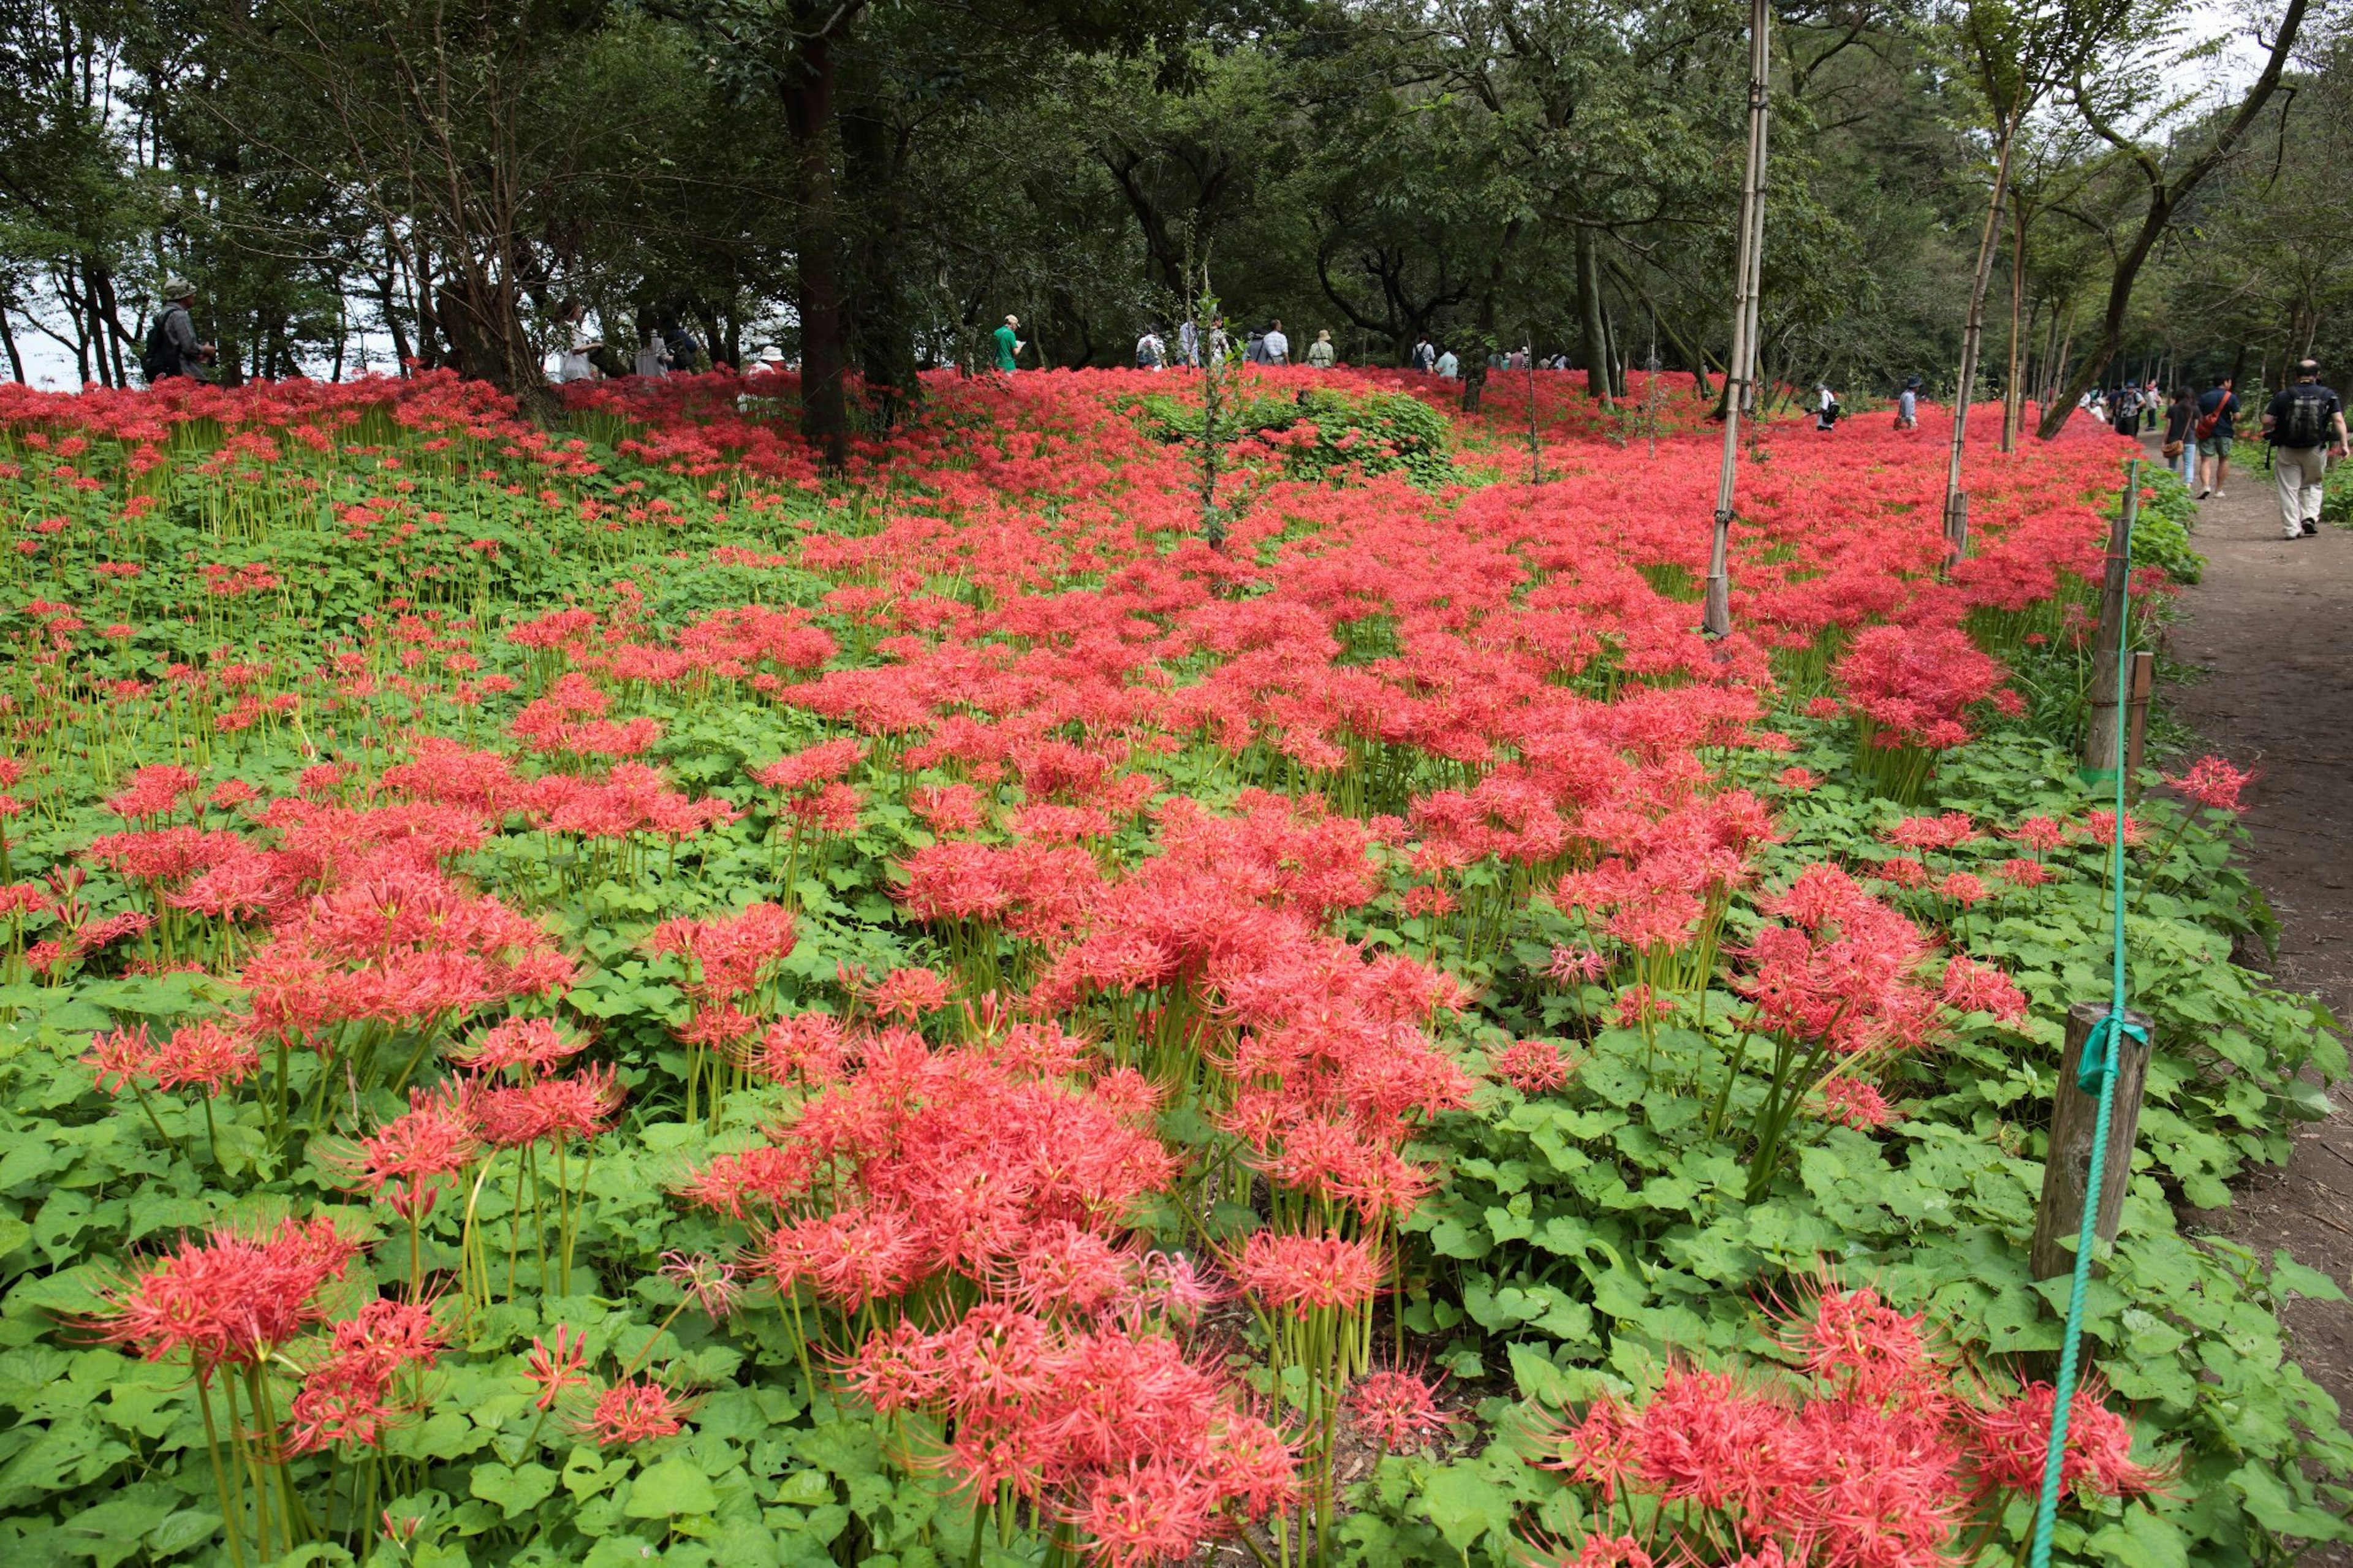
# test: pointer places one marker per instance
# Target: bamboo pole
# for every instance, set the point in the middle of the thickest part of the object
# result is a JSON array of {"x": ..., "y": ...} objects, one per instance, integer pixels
[{"x": 1747, "y": 268}]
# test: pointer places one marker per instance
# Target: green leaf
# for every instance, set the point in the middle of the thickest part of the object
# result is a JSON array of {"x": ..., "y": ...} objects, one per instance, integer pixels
[
  {"x": 669, "y": 1488},
  {"x": 516, "y": 1490},
  {"x": 1465, "y": 1506},
  {"x": 2142, "y": 1540},
  {"x": 2287, "y": 1274}
]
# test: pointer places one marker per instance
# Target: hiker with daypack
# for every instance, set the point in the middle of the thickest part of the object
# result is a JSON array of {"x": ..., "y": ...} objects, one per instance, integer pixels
[
  {"x": 1826, "y": 407},
  {"x": 172, "y": 348},
  {"x": 2217, "y": 427},
  {"x": 2305, "y": 425},
  {"x": 1320, "y": 353},
  {"x": 1907, "y": 406}
]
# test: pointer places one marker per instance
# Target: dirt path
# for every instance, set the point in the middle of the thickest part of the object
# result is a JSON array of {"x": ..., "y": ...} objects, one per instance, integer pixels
[{"x": 2271, "y": 626}]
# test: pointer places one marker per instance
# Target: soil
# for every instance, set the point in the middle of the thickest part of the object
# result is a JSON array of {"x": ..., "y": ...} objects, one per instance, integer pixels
[{"x": 2272, "y": 628}]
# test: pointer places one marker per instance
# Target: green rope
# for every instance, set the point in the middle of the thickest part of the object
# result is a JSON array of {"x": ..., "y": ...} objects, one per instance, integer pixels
[{"x": 2094, "y": 1074}]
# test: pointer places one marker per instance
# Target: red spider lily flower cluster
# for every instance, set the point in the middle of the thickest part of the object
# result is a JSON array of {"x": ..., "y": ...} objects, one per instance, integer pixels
[
  {"x": 1874, "y": 1456},
  {"x": 1110, "y": 1427},
  {"x": 350, "y": 1395},
  {"x": 230, "y": 1298},
  {"x": 2214, "y": 783}
]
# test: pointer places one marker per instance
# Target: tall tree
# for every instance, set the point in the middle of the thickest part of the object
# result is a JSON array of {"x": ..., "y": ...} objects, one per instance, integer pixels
[{"x": 2110, "y": 98}]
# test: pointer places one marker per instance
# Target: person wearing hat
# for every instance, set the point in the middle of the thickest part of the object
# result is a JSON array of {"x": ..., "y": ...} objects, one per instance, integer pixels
[
  {"x": 2305, "y": 425},
  {"x": 1907, "y": 406},
  {"x": 1008, "y": 344},
  {"x": 172, "y": 348}
]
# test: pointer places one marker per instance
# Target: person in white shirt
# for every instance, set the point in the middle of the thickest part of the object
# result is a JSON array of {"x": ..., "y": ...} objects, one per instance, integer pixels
[
  {"x": 1448, "y": 366},
  {"x": 1151, "y": 353},
  {"x": 1278, "y": 347},
  {"x": 579, "y": 341}
]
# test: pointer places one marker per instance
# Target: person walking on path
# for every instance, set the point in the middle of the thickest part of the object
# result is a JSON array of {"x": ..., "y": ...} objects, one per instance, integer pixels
[
  {"x": 1278, "y": 346},
  {"x": 2127, "y": 411},
  {"x": 1448, "y": 366},
  {"x": 2305, "y": 425},
  {"x": 1907, "y": 406},
  {"x": 1009, "y": 344},
  {"x": 1151, "y": 353},
  {"x": 1188, "y": 343},
  {"x": 1425, "y": 356},
  {"x": 172, "y": 348},
  {"x": 1320, "y": 353},
  {"x": 2181, "y": 435},
  {"x": 1826, "y": 407},
  {"x": 2218, "y": 427}
]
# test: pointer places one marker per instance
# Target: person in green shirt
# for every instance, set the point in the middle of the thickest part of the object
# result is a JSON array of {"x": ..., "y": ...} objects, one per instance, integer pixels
[{"x": 1008, "y": 343}]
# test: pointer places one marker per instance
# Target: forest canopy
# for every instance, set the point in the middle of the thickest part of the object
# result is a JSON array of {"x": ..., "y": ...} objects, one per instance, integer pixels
[{"x": 873, "y": 184}]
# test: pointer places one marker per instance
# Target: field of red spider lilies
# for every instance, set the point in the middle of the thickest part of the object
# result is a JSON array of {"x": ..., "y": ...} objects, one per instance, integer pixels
[{"x": 586, "y": 992}]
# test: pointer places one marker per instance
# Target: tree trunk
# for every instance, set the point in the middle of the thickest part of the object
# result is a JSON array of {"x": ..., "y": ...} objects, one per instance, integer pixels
[
  {"x": 809, "y": 116},
  {"x": 879, "y": 312},
  {"x": 8, "y": 342},
  {"x": 1589, "y": 314}
]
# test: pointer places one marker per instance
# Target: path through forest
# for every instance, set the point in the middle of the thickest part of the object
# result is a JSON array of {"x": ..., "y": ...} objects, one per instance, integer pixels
[{"x": 2272, "y": 628}]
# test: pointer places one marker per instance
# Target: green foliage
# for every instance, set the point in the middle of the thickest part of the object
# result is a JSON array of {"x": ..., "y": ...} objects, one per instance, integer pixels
[
  {"x": 2161, "y": 528},
  {"x": 1321, "y": 432}
]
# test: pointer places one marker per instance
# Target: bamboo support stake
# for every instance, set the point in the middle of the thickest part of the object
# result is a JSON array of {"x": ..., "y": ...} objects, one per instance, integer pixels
[
  {"x": 1747, "y": 273},
  {"x": 2067, "y": 1164}
]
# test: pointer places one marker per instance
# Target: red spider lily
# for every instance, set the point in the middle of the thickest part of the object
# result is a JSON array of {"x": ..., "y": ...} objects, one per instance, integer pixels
[
  {"x": 2014, "y": 1444},
  {"x": 2214, "y": 784},
  {"x": 230, "y": 1298},
  {"x": 731, "y": 955},
  {"x": 348, "y": 1397},
  {"x": 1294, "y": 1274},
  {"x": 634, "y": 1410},
  {"x": 1396, "y": 1410},
  {"x": 1532, "y": 1066},
  {"x": 531, "y": 1046},
  {"x": 710, "y": 1284},
  {"x": 557, "y": 1367},
  {"x": 416, "y": 1154}
]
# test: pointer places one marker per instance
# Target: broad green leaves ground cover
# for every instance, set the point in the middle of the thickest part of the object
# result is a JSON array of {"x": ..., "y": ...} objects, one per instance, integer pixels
[{"x": 951, "y": 902}]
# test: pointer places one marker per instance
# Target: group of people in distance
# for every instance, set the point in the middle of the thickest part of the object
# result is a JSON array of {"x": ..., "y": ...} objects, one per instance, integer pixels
[
  {"x": 1269, "y": 346},
  {"x": 2304, "y": 424}
]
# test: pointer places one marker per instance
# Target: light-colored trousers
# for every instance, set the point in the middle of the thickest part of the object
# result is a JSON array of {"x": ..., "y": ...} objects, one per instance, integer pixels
[{"x": 2297, "y": 470}]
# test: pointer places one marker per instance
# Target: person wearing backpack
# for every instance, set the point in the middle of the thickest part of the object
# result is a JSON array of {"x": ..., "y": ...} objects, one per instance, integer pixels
[
  {"x": 172, "y": 348},
  {"x": 2305, "y": 424},
  {"x": 2217, "y": 427}
]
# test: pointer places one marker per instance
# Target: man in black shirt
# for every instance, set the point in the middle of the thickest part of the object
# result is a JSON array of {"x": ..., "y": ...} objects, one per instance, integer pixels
[
  {"x": 2222, "y": 405},
  {"x": 2305, "y": 424}
]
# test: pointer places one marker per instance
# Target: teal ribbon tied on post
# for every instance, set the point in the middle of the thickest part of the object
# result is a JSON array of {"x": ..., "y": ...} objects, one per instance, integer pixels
[{"x": 2100, "y": 1050}]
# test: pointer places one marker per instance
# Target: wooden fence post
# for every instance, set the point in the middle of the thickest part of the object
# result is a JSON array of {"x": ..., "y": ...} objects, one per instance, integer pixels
[
  {"x": 2143, "y": 680},
  {"x": 2104, "y": 735},
  {"x": 2067, "y": 1167}
]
